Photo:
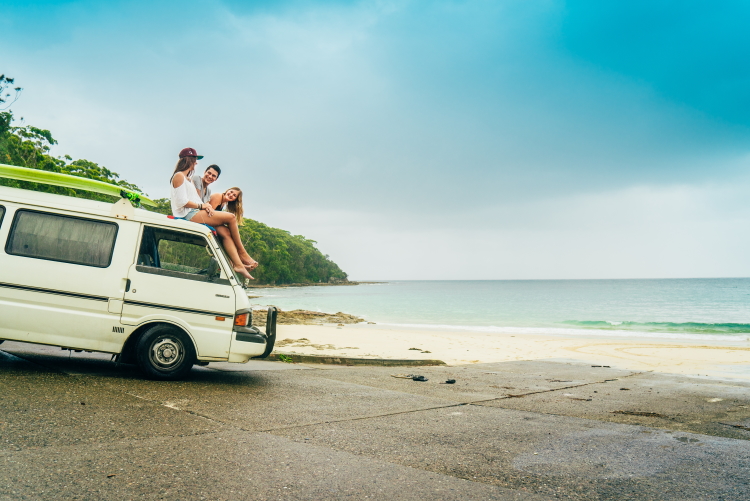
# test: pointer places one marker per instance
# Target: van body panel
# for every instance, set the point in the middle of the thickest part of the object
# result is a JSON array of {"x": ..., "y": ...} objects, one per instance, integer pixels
[
  {"x": 54, "y": 302},
  {"x": 242, "y": 301},
  {"x": 37, "y": 317}
]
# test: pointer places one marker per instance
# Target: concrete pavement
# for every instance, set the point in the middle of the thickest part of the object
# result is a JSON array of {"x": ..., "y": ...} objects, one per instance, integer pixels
[{"x": 75, "y": 426}]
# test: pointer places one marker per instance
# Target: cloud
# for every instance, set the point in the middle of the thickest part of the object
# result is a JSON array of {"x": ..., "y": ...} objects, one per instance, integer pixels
[
  {"x": 410, "y": 139},
  {"x": 638, "y": 232}
]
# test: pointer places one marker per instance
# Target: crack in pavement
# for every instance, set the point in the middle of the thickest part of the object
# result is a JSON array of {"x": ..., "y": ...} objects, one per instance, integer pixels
[
  {"x": 317, "y": 423},
  {"x": 521, "y": 395},
  {"x": 447, "y": 406}
]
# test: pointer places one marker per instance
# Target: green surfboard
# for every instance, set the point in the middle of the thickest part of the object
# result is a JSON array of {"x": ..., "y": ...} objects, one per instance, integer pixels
[{"x": 75, "y": 182}]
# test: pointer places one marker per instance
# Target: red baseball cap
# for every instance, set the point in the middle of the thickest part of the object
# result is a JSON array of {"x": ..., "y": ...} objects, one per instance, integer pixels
[{"x": 190, "y": 152}]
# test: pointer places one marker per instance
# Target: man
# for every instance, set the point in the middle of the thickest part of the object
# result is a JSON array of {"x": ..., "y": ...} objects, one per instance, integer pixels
[{"x": 210, "y": 175}]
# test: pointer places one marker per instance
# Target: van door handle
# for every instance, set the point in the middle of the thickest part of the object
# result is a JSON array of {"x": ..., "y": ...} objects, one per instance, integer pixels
[{"x": 127, "y": 285}]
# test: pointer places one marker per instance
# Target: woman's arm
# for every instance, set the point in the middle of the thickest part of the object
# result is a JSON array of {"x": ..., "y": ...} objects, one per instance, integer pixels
[{"x": 216, "y": 200}]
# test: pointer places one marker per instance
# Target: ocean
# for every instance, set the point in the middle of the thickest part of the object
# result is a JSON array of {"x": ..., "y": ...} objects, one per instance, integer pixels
[{"x": 698, "y": 309}]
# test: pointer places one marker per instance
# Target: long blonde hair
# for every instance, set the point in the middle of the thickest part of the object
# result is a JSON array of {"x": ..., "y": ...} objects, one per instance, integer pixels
[{"x": 235, "y": 206}]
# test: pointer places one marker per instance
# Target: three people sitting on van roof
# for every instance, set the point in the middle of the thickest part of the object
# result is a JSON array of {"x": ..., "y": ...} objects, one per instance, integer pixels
[{"x": 187, "y": 204}]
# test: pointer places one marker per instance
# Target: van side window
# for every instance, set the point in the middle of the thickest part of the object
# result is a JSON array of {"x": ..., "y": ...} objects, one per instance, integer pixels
[
  {"x": 175, "y": 254},
  {"x": 2, "y": 213},
  {"x": 54, "y": 237}
]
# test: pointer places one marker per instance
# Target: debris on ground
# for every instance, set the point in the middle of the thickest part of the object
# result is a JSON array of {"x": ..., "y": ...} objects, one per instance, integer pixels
[
  {"x": 640, "y": 413},
  {"x": 413, "y": 377}
]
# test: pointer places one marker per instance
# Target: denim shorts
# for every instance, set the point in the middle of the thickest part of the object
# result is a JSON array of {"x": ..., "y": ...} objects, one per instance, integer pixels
[{"x": 190, "y": 215}]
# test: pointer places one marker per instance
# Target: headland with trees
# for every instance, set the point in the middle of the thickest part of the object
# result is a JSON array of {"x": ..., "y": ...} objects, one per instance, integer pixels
[{"x": 284, "y": 258}]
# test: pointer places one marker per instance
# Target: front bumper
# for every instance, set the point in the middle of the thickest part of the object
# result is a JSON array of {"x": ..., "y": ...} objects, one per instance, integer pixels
[
  {"x": 247, "y": 342},
  {"x": 250, "y": 335}
]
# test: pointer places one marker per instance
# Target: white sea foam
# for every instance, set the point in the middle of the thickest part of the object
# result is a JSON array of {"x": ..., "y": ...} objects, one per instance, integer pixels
[{"x": 557, "y": 331}]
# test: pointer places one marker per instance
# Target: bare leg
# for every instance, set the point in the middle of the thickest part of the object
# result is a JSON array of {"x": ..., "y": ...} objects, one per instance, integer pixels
[
  {"x": 231, "y": 250},
  {"x": 226, "y": 218},
  {"x": 237, "y": 263},
  {"x": 226, "y": 236}
]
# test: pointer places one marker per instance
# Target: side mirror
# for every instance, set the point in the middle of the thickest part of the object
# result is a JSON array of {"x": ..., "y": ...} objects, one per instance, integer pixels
[{"x": 213, "y": 270}]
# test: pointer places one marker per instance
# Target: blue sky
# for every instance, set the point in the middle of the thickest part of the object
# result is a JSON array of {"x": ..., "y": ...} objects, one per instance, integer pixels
[{"x": 422, "y": 140}]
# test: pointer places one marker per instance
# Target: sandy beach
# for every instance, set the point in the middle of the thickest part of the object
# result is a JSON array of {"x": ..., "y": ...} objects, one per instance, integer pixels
[{"x": 714, "y": 359}]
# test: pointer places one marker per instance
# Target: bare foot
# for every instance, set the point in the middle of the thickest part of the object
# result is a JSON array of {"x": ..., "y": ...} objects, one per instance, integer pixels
[
  {"x": 248, "y": 261},
  {"x": 242, "y": 271}
]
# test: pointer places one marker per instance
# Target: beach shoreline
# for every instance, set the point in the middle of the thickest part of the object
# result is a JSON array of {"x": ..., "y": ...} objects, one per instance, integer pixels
[
  {"x": 701, "y": 358},
  {"x": 339, "y": 283}
]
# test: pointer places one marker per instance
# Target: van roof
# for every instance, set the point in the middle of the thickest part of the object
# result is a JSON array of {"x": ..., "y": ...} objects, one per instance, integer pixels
[{"x": 92, "y": 207}]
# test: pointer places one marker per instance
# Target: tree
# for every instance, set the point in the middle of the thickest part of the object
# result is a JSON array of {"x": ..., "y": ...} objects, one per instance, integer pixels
[
  {"x": 5, "y": 92},
  {"x": 284, "y": 258}
]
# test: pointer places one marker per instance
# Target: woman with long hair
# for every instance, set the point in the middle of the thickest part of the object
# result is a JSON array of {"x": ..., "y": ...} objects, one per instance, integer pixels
[
  {"x": 187, "y": 204},
  {"x": 230, "y": 202}
]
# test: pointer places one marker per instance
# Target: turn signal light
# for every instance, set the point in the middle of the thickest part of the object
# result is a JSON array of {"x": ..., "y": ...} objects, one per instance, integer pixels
[{"x": 241, "y": 319}]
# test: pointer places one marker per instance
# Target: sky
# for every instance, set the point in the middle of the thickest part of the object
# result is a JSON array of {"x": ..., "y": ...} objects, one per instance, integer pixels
[{"x": 413, "y": 140}]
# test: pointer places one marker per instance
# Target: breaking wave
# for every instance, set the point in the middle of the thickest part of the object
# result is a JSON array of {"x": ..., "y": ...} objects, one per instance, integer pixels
[
  {"x": 683, "y": 327},
  {"x": 596, "y": 329}
]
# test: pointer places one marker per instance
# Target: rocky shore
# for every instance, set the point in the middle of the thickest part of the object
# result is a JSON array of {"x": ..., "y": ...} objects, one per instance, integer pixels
[{"x": 306, "y": 317}]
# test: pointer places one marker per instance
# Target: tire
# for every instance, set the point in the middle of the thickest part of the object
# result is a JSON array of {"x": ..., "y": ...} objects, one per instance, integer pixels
[
  {"x": 270, "y": 332},
  {"x": 165, "y": 352}
]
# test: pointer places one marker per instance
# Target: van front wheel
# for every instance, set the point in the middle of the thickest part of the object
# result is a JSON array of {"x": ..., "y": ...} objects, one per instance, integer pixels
[{"x": 165, "y": 352}]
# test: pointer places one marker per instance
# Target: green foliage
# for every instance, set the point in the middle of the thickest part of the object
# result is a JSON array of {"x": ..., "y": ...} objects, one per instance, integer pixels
[
  {"x": 163, "y": 206},
  {"x": 283, "y": 258},
  {"x": 29, "y": 146},
  {"x": 183, "y": 256}
]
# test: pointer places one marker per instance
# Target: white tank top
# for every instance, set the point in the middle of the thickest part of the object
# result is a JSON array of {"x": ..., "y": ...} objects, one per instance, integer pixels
[{"x": 181, "y": 195}]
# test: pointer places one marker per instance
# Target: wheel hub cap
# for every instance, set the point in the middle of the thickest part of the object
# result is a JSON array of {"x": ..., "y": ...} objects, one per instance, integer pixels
[{"x": 166, "y": 352}]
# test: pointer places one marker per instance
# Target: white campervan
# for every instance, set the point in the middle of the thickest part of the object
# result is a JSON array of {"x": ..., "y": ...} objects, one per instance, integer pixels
[{"x": 95, "y": 276}]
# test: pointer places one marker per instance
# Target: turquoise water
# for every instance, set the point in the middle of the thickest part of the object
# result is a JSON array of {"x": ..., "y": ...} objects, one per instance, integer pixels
[{"x": 673, "y": 308}]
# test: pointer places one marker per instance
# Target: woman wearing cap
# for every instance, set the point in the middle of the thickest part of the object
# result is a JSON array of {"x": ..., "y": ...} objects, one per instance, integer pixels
[{"x": 187, "y": 204}]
